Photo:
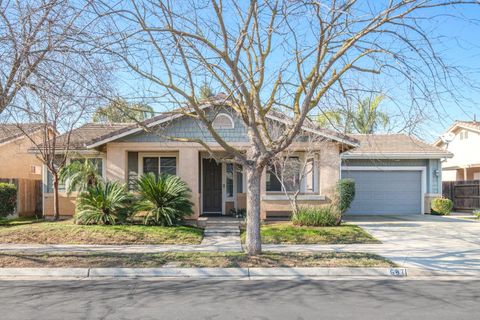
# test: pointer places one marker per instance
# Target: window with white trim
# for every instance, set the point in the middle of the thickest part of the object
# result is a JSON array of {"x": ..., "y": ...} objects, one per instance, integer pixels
[
  {"x": 229, "y": 180},
  {"x": 284, "y": 176},
  {"x": 294, "y": 174},
  {"x": 223, "y": 121},
  {"x": 159, "y": 165}
]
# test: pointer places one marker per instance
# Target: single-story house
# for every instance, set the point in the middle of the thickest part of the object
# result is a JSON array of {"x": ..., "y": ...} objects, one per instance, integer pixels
[
  {"x": 125, "y": 151},
  {"x": 463, "y": 140},
  {"x": 394, "y": 174}
]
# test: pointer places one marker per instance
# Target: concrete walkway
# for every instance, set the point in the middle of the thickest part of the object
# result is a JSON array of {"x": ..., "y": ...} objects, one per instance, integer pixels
[{"x": 222, "y": 232}]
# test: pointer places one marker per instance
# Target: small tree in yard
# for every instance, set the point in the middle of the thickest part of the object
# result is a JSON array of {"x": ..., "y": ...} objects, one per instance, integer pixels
[
  {"x": 59, "y": 105},
  {"x": 292, "y": 167},
  {"x": 266, "y": 56}
]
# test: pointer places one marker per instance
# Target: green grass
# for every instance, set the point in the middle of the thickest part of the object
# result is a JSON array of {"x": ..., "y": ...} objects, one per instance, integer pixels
[
  {"x": 286, "y": 233},
  {"x": 193, "y": 259},
  {"x": 66, "y": 232}
]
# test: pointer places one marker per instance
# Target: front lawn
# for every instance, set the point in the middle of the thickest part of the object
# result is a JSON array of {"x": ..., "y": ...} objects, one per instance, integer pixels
[
  {"x": 26, "y": 231},
  {"x": 193, "y": 259},
  {"x": 286, "y": 233}
]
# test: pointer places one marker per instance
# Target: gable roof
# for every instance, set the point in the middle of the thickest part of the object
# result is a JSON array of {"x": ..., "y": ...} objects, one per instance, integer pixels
[
  {"x": 470, "y": 125},
  {"x": 168, "y": 116},
  {"x": 10, "y": 131},
  {"x": 82, "y": 136},
  {"x": 394, "y": 146}
]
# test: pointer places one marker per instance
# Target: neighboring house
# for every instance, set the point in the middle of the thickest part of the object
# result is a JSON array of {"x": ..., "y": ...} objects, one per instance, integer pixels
[
  {"x": 125, "y": 151},
  {"x": 463, "y": 140},
  {"x": 394, "y": 174},
  {"x": 20, "y": 167}
]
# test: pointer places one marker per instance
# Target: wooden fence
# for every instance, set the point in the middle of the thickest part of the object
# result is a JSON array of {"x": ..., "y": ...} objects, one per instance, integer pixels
[
  {"x": 464, "y": 194},
  {"x": 29, "y": 196}
]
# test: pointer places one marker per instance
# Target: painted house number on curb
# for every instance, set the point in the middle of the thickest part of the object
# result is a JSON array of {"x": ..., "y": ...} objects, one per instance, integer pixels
[{"x": 398, "y": 272}]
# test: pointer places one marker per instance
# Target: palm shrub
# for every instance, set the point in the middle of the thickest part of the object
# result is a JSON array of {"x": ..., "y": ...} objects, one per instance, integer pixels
[
  {"x": 80, "y": 175},
  {"x": 103, "y": 203},
  {"x": 441, "y": 206},
  {"x": 165, "y": 199},
  {"x": 317, "y": 216}
]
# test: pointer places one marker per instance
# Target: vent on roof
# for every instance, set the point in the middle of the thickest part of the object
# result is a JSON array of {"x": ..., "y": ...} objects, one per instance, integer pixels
[{"x": 223, "y": 121}]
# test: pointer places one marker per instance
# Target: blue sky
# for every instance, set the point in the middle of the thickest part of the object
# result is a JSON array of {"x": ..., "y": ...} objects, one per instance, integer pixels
[
  {"x": 461, "y": 47},
  {"x": 457, "y": 41}
]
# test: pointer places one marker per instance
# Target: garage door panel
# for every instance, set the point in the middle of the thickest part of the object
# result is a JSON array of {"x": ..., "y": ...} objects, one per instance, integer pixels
[{"x": 386, "y": 192}]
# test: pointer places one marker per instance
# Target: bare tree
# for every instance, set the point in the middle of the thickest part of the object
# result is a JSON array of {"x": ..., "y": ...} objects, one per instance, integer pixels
[
  {"x": 58, "y": 105},
  {"x": 294, "y": 168},
  {"x": 267, "y": 56},
  {"x": 32, "y": 34}
]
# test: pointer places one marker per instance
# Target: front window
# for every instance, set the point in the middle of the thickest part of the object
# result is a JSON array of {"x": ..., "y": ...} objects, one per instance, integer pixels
[
  {"x": 284, "y": 176},
  {"x": 239, "y": 179},
  {"x": 159, "y": 165},
  {"x": 229, "y": 180}
]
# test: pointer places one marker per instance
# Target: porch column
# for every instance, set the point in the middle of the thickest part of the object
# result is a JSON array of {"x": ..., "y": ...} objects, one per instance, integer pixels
[
  {"x": 329, "y": 170},
  {"x": 116, "y": 163},
  {"x": 189, "y": 171}
]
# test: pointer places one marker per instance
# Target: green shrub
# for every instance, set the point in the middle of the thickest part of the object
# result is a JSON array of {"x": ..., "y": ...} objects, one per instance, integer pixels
[
  {"x": 103, "y": 203},
  {"x": 8, "y": 199},
  {"x": 164, "y": 200},
  {"x": 441, "y": 206},
  {"x": 345, "y": 193},
  {"x": 319, "y": 216}
]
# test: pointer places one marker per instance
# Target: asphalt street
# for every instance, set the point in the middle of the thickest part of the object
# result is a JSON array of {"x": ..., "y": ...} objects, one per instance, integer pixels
[{"x": 215, "y": 299}]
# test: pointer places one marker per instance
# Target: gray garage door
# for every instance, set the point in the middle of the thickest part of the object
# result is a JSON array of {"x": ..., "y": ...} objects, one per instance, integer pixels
[{"x": 386, "y": 192}]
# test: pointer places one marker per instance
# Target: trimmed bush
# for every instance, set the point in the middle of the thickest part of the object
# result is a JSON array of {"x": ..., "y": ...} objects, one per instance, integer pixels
[
  {"x": 8, "y": 199},
  {"x": 318, "y": 216},
  {"x": 104, "y": 203},
  {"x": 346, "y": 194},
  {"x": 163, "y": 200},
  {"x": 441, "y": 206}
]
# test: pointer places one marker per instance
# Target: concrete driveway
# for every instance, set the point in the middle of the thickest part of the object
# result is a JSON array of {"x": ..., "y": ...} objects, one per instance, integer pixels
[{"x": 445, "y": 244}]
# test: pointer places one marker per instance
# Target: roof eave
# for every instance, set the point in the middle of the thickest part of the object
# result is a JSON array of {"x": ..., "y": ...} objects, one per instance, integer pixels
[{"x": 391, "y": 155}]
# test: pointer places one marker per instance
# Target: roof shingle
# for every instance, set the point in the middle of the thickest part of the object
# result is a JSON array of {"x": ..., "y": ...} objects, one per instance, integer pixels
[
  {"x": 82, "y": 136},
  {"x": 394, "y": 144},
  {"x": 10, "y": 131}
]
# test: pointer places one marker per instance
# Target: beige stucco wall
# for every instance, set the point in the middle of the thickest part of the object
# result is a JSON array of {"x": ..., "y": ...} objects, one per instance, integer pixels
[
  {"x": 66, "y": 204},
  {"x": 16, "y": 161}
]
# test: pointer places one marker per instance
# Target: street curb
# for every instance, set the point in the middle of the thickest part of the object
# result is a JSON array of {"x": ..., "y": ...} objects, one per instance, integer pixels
[
  {"x": 168, "y": 272},
  {"x": 45, "y": 272},
  {"x": 326, "y": 272},
  {"x": 201, "y": 273}
]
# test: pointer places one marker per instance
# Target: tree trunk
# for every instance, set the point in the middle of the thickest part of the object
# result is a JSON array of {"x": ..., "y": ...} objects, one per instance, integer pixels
[
  {"x": 253, "y": 239},
  {"x": 56, "y": 208}
]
